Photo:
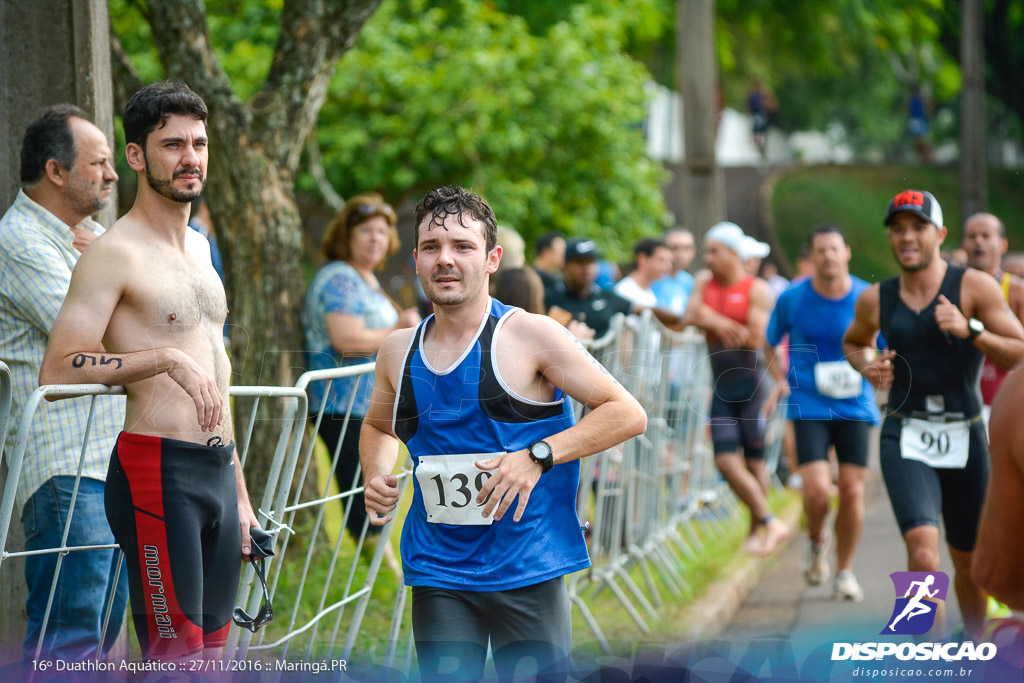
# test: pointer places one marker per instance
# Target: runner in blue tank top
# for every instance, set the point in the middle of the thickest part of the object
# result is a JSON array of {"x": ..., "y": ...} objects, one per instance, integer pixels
[
  {"x": 938, "y": 321},
  {"x": 479, "y": 394},
  {"x": 829, "y": 403}
]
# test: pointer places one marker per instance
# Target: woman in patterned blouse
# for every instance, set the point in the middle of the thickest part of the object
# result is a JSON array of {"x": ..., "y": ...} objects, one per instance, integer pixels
[{"x": 347, "y": 316}]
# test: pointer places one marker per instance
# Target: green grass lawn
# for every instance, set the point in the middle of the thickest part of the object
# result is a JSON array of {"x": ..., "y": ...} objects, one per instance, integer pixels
[
  {"x": 324, "y": 586},
  {"x": 855, "y": 197},
  {"x": 720, "y": 555}
]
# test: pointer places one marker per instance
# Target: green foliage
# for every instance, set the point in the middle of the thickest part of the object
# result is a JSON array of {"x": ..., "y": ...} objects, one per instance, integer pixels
[
  {"x": 243, "y": 33},
  {"x": 856, "y": 197},
  {"x": 544, "y": 120},
  {"x": 547, "y": 127},
  {"x": 849, "y": 62},
  {"x": 136, "y": 38}
]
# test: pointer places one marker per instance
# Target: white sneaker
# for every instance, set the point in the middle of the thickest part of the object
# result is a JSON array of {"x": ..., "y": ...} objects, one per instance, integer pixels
[
  {"x": 847, "y": 588},
  {"x": 818, "y": 570}
]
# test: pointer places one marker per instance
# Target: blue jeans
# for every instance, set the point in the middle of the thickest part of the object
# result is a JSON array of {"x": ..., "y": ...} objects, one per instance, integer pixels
[{"x": 86, "y": 576}]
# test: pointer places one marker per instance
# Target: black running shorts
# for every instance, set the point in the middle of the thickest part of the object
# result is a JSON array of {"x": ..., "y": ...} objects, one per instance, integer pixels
[
  {"x": 850, "y": 437},
  {"x": 736, "y": 418},
  {"x": 173, "y": 508},
  {"x": 920, "y": 494},
  {"x": 529, "y": 631}
]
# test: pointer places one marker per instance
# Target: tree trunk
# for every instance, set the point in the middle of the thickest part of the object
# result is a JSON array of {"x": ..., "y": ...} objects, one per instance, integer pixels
[
  {"x": 261, "y": 242},
  {"x": 973, "y": 183},
  {"x": 697, "y": 72},
  {"x": 254, "y": 154}
]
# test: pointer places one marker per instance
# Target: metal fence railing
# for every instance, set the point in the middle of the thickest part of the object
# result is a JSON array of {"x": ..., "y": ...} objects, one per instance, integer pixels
[
  {"x": 324, "y": 576},
  {"x": 646, "y": 501},
  {"x": 5, "y": 403},
  {"x": 15, "y": 458},
  {"x": 645, "y": 496}
]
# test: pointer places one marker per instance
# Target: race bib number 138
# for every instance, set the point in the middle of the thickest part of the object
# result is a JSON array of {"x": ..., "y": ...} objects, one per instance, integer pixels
[{"x": 450, "y": 484}]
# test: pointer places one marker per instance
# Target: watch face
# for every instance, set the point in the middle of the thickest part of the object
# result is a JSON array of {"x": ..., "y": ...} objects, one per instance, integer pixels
[{"x": 541, "y": 450}]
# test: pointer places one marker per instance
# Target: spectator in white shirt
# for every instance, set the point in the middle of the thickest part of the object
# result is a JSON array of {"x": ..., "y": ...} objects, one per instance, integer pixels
[{"x": 653, "y": 262}]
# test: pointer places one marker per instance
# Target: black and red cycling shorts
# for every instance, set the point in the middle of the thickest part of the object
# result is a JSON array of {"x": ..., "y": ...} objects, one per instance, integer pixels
[{"x": 173, "y": 508}]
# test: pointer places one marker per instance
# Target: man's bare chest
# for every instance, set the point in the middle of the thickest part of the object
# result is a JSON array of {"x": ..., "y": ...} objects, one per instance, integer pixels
[{"x": 176, "y": 295}]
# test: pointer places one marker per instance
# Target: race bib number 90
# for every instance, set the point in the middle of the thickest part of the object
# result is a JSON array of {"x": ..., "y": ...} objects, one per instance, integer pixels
[
  {"x": 450, "y": 484},
  {"x": 943, "y": 445}
]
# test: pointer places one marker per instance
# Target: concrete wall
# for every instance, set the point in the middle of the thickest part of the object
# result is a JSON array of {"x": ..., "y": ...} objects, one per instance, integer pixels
[{"x": 51, "y": 51}]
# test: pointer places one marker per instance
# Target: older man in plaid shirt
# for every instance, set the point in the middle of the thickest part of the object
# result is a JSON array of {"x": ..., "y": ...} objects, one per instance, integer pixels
[{"x": 67, "y": 175}]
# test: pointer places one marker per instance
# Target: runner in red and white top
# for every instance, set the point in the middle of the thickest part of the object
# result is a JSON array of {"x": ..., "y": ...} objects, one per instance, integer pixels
[{"x": 985, "y": 242}]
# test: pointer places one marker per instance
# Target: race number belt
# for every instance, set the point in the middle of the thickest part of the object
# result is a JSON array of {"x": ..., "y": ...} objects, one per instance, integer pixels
[
  {"x": 942, "y": 445},
  {"x": 449, "y": 485},
  {"x": 837, "y": 379}
]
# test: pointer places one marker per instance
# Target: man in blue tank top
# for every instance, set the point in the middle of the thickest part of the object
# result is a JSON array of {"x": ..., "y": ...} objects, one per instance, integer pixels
[
  {"x": 939, "y": 321},
  {"x": 479, "y": 394},
  {"x": 829, "y": 403}
]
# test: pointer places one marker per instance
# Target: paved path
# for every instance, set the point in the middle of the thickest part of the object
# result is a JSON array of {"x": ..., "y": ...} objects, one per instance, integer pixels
[{"x": 783, "y": 604}]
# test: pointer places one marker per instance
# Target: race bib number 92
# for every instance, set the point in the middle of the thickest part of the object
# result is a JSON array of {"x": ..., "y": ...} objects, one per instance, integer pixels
[
  {"x": 837, "y": 379},
  {"x": 449, "y": 485}
]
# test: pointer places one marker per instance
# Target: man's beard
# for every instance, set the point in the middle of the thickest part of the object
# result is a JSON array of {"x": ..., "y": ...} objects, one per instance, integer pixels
[
  {"x": 92, "y": 205},
  {"x": 923, "y": 262},
  {"x": 166, "y": 188},
  {"x": 86, "y": 200}
]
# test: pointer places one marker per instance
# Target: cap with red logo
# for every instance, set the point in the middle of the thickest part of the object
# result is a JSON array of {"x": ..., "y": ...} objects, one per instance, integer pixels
[{"x": 918, "y": 202}]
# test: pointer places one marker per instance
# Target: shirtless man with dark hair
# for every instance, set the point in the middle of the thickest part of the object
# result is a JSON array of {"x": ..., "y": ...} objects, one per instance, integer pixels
[{"x": 145, "y": 309}]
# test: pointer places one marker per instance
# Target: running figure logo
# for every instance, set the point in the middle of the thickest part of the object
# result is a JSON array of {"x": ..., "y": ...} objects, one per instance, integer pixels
[{"x": 914, "y": 612}]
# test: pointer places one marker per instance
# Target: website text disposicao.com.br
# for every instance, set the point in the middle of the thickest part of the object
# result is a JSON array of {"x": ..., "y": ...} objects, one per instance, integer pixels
[
  {"x": 951, "y": 660},
  {"x": 901, "y": 672}
]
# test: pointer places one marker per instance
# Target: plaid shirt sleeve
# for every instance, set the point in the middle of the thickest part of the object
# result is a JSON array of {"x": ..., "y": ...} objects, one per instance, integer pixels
[{"x": 39, "y": 289}]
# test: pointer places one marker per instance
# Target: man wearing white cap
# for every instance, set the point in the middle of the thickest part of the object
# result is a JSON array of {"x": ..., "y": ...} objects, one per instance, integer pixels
[
  {"x": 939, "y": 322},
  {"x": 733, "y": 308},
  {"x": 752, "y": 252}
]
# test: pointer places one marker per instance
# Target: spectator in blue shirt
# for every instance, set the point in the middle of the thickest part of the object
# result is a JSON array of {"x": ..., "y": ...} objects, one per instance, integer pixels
[{"x": 673, "y": 291}]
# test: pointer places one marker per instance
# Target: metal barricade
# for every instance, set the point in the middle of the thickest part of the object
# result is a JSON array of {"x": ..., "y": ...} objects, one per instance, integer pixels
[
  {"x": 654, "y": 499},
  {"x": 5, "y": 403},
  {"x": 15, "y": 460},
  {"x": 319, "y": 557},
  {"x": 648, "y": 500}
]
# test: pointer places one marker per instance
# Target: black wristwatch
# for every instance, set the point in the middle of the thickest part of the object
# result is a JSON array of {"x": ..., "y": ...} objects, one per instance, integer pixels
[
  {"x": 974, "y": 327},
  {"x": 541, "y": 453}
]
